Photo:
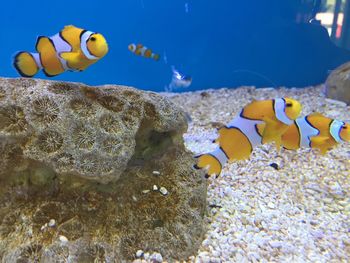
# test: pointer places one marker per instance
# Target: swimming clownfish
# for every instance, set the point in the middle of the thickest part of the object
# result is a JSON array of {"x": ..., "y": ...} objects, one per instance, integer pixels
[
  {"x": 258, "y": 119},
  {"x": 143, "y": 51},
  {"x": 316, "y": 131},
  {"x": 72, "y": 49}
]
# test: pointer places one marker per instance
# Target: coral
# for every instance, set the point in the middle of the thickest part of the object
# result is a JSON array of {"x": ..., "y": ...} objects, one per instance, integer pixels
[
  {"x": 83, "y": 137},
  {"x": 83, "y": 157},
  {"x": 112, "y": 103},
  {"x": 30, "y": 253},
  {"x": 44, "y": 110},
  {"x": 50, "y": 141},
  {"x": 82, "y": 108},
  {"x": 12, "y": 120}
]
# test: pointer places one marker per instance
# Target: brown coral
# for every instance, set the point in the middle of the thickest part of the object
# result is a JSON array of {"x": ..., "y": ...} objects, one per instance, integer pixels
[{"x": 83, "y": 156}]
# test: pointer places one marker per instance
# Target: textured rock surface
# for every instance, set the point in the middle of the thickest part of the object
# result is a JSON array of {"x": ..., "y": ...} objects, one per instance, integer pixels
[
  {"x": 84, "y": 156},
  {"x": 338, "y": 84}
]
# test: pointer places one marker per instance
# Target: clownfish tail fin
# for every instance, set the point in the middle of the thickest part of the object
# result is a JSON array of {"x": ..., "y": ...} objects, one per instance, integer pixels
[
  {"x": 212, "y": 162},
  {"x": 26, "y": 63},
  {"x": 155, "y": 57}
]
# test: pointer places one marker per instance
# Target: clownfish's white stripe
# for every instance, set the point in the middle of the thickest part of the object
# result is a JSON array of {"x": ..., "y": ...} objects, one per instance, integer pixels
[
  {"x": 143, "y": 50},
  {"x": 220, "y": 156},
  {"x": 280, "y": 107},
  {"x": 335, "y": 128},
  {"x": 248, "y": 127},
  {"x": 61, "y": 46},
  {"x": 306, "y": 131},
  {"x": 83, "y": 39},
  {"x": 36, "y": 57}
]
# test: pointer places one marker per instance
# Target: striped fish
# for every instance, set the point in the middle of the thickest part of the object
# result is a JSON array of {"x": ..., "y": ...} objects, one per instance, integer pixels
[
  {"x": 72, "y": 49},
  {"x": 259, "y": 122},
  {"x": 141, "y": 50},
  {"x": 315, "y": 131}
]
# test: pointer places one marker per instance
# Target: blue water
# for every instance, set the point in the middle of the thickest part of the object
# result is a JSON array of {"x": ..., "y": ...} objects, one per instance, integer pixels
[{"x": 209, "y": 40}]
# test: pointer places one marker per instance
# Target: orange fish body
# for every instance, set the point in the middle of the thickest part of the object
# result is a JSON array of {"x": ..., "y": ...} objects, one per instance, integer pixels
[
  {"x": 315, "y": 131},
  {"x": 141, "y": 50},
  {"x": 72, "y": 49}
]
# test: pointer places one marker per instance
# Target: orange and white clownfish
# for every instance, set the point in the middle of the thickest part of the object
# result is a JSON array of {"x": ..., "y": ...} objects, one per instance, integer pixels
[
  {"x": 143, "y": 51},
  {"x": 72, "y": 49},
  {"x": 316, "y": 131},
  {"x": 259, "y": 122}
]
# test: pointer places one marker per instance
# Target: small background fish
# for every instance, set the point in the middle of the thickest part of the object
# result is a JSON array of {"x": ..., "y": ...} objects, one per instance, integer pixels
[
  {"x": 141, "y": 50},
  {"x": 178, "y": 80}
]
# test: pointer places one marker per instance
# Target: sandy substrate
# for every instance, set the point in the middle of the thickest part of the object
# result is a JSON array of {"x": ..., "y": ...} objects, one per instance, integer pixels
[{"x": 257, "y": 213}]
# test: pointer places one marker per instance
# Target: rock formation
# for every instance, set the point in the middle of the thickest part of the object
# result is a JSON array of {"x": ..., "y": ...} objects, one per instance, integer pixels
[
  {"x": 81, "y": 169},
  {"x": 338, "y": 84}
]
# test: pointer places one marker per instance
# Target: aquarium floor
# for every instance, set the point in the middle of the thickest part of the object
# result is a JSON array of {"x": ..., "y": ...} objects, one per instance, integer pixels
[{"x": 257, "y": 213}]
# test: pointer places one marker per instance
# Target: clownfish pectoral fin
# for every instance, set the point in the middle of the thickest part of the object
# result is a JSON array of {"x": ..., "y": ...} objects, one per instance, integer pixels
[
  {"x": 273, "y": 132},
  {"x": 320, "y": 142},
  {"x": 209, "y": 162},
  {"x": 25, "y": 64},
  {"x": 72, "y": 59}
]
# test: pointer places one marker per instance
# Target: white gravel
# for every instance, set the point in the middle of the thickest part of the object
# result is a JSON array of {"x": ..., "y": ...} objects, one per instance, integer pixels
[{"x": 299, "y": 213}]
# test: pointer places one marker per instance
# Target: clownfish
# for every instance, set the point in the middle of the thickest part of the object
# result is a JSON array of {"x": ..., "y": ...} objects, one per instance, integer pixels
[
  {"x": 143, "y": 51},
  {"x": 72, "y": 49},
  {"x": 257, "y": 122},
  {"x": 316, "y": 131}
]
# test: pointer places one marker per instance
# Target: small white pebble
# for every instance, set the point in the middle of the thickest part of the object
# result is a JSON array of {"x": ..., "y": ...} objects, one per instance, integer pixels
[
  {"x": 146, "y": 256},
  {"x": 156, "y": 257},
  {"x": 63, "y": 239},
  {"x": 52, "y": 223},
  {"x": 163, "y": 191},
  {"x": 271, "y": 205},
  {"x": 139, "y": 253},
  {"x": 145, "y": 191},
  {"x": 276, "y": 244},
  {"x": 155, "y": 188},
  {"x": 156, "y": 172},
  {"x": 43, "y": 227}
]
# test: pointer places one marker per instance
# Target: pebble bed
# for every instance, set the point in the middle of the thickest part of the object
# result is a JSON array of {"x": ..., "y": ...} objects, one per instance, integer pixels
[{"x": 287, "y": 206}]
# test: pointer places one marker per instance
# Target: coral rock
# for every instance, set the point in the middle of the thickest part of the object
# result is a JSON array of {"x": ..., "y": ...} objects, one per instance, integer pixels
[
  {"x": 83, "y": 155},
  {"x": 338, "y": 84}
]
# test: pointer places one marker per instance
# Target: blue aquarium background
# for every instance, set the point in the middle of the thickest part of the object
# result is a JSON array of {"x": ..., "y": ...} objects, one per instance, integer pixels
[{"x": 219, "y": 43}]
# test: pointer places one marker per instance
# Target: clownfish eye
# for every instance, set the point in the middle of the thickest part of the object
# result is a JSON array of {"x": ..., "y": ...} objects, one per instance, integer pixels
[
  {"x": 344, "y": 127},
  {"x": 92, "y": 38},
  {"x": 289, "y": 104}
]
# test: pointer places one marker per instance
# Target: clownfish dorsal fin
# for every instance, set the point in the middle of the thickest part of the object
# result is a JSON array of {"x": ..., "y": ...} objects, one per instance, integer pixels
[
  {"x": 41, "y": 43},
  {"x": 68, "y": 27}
]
